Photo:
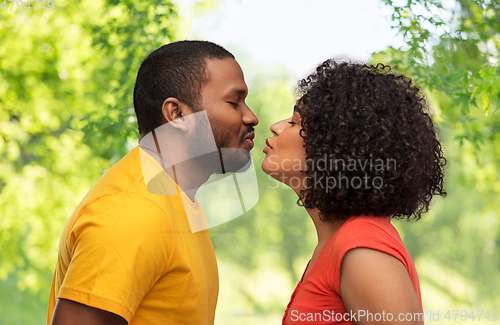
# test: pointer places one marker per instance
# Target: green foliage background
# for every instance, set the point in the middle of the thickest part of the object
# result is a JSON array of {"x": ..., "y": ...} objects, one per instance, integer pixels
[{"x": 66, "y": 115}]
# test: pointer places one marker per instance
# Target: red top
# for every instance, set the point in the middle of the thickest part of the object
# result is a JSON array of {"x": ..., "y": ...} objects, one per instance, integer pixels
[{"x": 316, "y": 299}]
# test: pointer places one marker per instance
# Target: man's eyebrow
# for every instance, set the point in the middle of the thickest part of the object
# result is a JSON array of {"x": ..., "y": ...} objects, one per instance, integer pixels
[{"x": 238, "y": 91}]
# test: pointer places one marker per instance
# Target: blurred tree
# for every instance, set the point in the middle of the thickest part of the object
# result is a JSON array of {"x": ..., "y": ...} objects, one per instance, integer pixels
[
  {"x": 66, "y": 79},
  {"x": 452, "y": 52}
]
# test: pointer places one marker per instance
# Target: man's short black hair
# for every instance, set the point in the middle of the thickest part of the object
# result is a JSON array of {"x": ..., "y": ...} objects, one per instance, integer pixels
[{"x": 174, "y": 70}]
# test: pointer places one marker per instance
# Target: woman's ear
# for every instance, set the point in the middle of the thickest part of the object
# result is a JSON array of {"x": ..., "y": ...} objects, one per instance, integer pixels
[{"x": 173, "y": 111}]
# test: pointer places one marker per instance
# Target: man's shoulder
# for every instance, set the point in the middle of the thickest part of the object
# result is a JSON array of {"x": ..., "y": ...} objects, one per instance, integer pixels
[
  {"x": 124, "y": 175},
  {"x": 120, "y": 185},
  {"x": 122, "y": 191}
]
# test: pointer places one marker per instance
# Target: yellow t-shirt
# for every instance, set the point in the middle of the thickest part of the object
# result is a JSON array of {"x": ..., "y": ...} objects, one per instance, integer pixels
[{"x": 132, "y": 253}]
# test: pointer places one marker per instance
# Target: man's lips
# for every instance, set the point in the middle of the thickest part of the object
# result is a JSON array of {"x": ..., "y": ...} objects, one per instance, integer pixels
[
  {"x": 249, "y": 140},
  {"x": 250, "y": 136}
]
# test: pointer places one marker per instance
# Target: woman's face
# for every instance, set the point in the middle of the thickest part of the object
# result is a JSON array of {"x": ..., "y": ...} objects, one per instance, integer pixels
[{"x": 285, "y": 153}]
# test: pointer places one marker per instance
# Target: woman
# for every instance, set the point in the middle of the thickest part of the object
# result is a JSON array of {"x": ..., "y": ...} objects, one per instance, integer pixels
[{"x": 359, "y": 150}]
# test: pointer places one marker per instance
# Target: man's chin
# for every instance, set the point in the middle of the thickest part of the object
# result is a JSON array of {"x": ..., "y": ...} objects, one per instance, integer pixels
[{"x": 235, "y": 160}]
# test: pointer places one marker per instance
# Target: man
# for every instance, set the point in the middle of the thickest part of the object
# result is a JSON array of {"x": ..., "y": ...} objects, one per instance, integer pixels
[{"x": 128, "y": 255}]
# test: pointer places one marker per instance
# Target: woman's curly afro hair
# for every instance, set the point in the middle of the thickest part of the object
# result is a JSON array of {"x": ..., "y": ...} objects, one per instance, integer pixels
[{"x": 370, "y": 143}]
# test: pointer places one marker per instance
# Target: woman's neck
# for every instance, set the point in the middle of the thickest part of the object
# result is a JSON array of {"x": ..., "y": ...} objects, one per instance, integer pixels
[{"x": 324, "y": 229}]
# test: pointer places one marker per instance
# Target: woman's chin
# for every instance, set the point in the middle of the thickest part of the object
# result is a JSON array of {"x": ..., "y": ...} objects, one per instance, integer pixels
[
  {"x": 271, "y": 170},
  {"x": 265, "y": 166},
  {"x": 296, "y": 182},
  {"x": 267, "y": 171}
]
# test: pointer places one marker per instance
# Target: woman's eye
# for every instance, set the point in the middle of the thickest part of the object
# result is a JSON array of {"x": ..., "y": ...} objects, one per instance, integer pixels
[
  {"x": 291, "y": 123},
  {"x": 234, "y": 104}
]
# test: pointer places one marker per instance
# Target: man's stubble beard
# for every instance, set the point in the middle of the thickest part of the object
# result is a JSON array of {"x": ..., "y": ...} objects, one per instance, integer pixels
[{"x": 233, "y": 159}]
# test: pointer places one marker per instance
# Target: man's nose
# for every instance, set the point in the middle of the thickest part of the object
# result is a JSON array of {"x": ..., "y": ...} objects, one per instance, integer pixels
[{"x": 249, "y": 118}]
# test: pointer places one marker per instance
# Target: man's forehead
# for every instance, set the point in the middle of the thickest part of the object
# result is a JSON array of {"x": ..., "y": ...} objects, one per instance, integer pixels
[{"x": 227, "y": 75}]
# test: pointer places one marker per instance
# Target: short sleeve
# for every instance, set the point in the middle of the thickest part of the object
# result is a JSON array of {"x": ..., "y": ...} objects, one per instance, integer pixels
[
  {"x": 378, "y": 234},
  {"x": 120, "y": 247}
]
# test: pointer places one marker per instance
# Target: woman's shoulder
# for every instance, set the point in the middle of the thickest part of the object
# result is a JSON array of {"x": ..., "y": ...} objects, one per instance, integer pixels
[
  {"x": 372, "y": 232},
  {"x": 368, "y": 232},
  {"x": 366, "y": 228}
]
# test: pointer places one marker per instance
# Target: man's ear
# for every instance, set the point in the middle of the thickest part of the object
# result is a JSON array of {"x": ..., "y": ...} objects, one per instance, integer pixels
[{"x": 174, "y": 111}]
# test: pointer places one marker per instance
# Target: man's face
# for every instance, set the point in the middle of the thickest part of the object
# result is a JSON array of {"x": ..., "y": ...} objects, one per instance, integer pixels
[{"x": 232, "y": 121}]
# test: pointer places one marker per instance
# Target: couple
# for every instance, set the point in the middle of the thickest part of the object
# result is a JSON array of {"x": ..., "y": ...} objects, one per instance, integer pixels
[{"x": 367, "y": 151}]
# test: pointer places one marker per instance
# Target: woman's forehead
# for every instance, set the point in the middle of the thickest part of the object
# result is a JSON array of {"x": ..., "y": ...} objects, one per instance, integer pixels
[{"x": 299, "y": 105}]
